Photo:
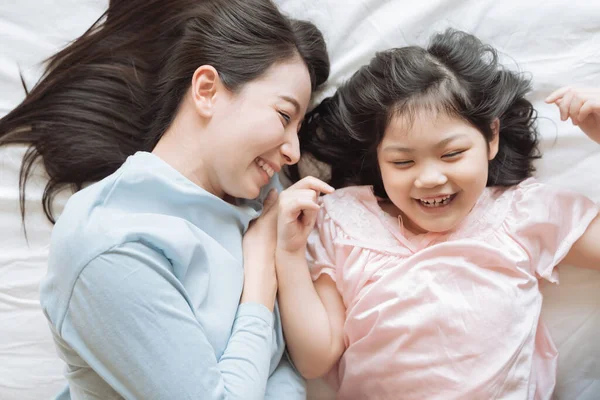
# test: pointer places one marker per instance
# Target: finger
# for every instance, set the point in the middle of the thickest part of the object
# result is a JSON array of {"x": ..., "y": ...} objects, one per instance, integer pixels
[
  {"x": 565, "y": 105},
  {"x": 270, "y": 200},
  {"x": 310, "y": 182},
  {"x": 309, "y": 217},
  {"x": 305, "y": 196},
  {"x": 288, "y": 198},
  {"x": 308, "y": 194},
  {"x": 557, "y": 94},
  {"x": 575, "y": 108},
  {"x": 587, "y": 108},
  {"x": 292, "y": 210}
]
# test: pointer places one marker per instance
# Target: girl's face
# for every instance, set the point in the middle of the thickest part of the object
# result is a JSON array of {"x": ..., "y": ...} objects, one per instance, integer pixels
[
  {"x": 435, "y": 169},
  {"x": 256, "y": 129}
]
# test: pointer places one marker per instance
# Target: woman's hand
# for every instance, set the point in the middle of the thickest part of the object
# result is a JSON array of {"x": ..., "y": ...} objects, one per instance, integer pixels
[
  {"x": 582, "y": 106},
  {"x": 297, "y": 213},
  {"x": 260, "y": 279}
]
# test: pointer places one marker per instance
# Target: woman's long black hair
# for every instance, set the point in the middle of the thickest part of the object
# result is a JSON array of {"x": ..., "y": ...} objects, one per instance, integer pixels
[{"x": 116, "y": 89}]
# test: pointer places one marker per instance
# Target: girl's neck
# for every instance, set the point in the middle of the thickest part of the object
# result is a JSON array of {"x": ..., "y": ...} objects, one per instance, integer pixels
[{"x": 389, "y": 208}]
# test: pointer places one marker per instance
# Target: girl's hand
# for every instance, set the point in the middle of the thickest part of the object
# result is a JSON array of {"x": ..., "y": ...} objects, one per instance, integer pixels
[
  {"x": 297, "y": 213},
  {"x": 582, "y": 106},
  {"x": 258, "y": 244}
]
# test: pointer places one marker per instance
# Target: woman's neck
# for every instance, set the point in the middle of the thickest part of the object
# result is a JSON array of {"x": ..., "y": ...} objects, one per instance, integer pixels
[{"x": 183, "y": 153}]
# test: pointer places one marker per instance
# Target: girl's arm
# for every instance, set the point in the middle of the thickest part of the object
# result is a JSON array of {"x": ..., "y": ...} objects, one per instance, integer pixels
[
  {"x": 585, "y": 252},
  {"x": 312, "y": 315},
  {"x": 582, "y": 106}
]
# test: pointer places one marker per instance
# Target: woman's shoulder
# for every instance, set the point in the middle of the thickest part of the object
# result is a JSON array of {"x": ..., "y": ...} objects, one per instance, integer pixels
[{"x": 130, "y": 207}]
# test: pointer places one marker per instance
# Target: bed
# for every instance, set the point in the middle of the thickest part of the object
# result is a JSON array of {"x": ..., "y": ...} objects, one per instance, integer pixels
[{"x": 557, "y": 42}]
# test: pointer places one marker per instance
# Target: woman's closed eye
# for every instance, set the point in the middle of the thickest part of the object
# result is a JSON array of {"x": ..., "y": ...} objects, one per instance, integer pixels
[{"x": 285, "y": 118}]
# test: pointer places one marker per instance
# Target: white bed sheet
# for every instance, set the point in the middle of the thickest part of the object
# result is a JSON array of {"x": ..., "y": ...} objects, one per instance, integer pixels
[
  {"x": 557, "y": 41},
  {"x": 30, "y": 31}
]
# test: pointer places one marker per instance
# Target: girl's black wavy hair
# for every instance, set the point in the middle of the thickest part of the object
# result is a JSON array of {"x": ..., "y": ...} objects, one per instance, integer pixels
[{"x": 457, "y": 75}]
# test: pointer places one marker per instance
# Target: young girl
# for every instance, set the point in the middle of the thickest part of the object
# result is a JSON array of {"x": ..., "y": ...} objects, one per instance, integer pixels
[
  {"x": 426, "y": 265},
  {"x": 184, "y": 110}
]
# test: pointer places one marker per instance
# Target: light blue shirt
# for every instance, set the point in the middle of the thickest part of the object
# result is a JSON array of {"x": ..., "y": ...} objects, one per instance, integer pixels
[{"x": 142, "y": 293}]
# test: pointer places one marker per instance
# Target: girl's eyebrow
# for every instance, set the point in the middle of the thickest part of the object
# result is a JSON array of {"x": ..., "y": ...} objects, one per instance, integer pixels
[{"x": 441, "y": 143}]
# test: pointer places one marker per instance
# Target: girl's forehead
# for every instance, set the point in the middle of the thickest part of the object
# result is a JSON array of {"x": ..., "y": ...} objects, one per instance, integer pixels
[{"x": 419, "y": 124}]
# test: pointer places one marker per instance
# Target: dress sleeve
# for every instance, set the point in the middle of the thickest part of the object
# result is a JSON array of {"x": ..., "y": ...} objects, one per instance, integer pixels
[
  {"x": 129, "y": 319},
  {"x": 547, "y": 221},
  {"x": 321, "y": 248}
]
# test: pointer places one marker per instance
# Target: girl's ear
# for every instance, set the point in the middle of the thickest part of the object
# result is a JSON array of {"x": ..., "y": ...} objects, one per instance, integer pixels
[{"x": 493, "y": 144}]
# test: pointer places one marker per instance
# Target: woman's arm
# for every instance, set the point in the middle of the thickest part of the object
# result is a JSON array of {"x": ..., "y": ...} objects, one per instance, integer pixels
[
  {"x": 260, "y": 280},
  {"x": 129, "y": 319},
  {"x": 312, "y": 315}
]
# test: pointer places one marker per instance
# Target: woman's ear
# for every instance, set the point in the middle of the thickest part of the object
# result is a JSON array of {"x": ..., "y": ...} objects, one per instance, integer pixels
[
  {"x": 205, "y": 86},
  {"x": 493, "y": 144}
]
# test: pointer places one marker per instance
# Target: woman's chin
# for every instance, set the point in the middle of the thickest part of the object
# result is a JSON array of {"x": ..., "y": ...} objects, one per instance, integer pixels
[{"x": 249, "y": 192}]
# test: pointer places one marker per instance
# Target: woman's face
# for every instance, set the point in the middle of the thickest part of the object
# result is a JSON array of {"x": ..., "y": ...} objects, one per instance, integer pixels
[{"x": 255, "y": 130}]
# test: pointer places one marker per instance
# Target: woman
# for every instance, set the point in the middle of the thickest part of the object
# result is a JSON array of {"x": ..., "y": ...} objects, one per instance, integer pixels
[{"x": 186, "y": 110}]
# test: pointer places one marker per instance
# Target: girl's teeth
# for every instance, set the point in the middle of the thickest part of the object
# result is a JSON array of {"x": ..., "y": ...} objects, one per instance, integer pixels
[{"x": 436, "y": 202}]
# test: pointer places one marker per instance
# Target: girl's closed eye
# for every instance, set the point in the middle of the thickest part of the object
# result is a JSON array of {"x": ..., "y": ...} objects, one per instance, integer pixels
[
  {"x": 403, "y": 163},
  {"x": 453, "y": 154}
]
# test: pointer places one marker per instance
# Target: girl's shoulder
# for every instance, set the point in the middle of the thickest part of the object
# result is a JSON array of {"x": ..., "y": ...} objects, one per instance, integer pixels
[
  {"x": 348, "y": 196},
  {"x": 493, "y": 209},
  {"x": 350, "y": 205},
  {"x": 355, "y": 211},
  {"x": 527, "y": 204}
]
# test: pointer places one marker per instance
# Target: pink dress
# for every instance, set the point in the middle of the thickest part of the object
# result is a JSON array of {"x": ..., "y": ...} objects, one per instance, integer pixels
[{"x": 447, "y": 316}]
